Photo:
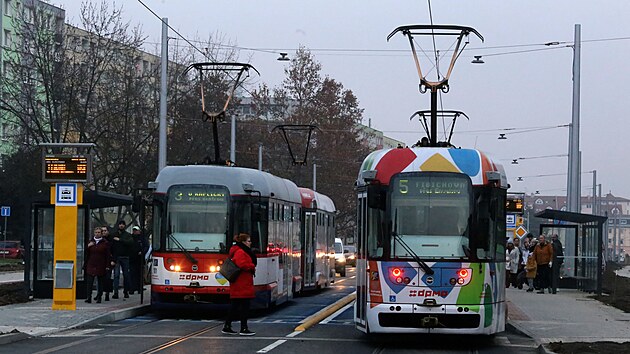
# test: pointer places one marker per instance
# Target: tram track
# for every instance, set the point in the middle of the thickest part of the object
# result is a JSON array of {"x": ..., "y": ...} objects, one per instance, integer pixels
[
  {"x": 179, "y": 340},
  {"x": 94, "y": 338},
  {"x": 120, "y": 331}
]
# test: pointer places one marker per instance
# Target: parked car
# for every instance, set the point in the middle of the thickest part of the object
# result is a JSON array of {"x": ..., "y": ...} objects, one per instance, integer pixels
[
  {"x": 351, "y": 255},
  {"x": 340, "y": 258},
  {"x": 11, "y": 249}
]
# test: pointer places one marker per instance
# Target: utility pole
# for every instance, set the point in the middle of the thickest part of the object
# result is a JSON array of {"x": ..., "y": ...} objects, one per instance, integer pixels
[
  {"x": 163, "y": 67},
  {"x": 573, "y": 181},
  {"x": 233, "y": 140},
  {"x": 260, "y": 151},
  {"x": 315, "y": 177},
  {"x": 594, "y": 208}
]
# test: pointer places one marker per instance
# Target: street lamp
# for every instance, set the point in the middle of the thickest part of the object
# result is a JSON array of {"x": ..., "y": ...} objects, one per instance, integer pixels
[
  {"x": 477, "y": 60},
  {"x": 283, "y": 57}
]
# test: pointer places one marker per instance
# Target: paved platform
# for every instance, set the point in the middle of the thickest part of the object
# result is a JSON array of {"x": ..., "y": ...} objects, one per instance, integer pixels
[
  {"x": 11, "y": 277},
  {"x": 568, "y": 316},
  {"x": 36, "y": 318}
]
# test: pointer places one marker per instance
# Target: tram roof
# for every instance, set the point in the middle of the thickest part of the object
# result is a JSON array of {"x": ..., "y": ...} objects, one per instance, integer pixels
[
  {"x": 322, "y": 202},
  {"x": 231, "y": 177},
  {"x": 474, "y": 163}
]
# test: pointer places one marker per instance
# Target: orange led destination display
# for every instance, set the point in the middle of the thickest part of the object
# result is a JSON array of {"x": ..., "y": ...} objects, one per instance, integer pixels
[{"x": 66, "y": 168}]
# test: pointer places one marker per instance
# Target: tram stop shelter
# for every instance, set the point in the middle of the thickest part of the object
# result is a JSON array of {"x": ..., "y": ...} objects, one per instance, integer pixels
[
  {"x": 39, "y": 269},
  {"x": 582, "y": 241}
]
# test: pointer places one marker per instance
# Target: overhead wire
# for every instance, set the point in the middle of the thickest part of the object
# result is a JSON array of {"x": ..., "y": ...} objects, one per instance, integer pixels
[
  {"x": 403, "y": 52},
  {"x": 204, "y": 53}
]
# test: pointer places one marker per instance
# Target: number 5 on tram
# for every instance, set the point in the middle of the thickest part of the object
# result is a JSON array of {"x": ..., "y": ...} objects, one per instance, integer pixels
[{"x": 430, "y": 232}]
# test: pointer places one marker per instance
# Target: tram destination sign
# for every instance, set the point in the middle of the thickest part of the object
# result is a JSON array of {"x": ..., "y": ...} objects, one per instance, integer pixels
[{"x": 66, "y": 168}]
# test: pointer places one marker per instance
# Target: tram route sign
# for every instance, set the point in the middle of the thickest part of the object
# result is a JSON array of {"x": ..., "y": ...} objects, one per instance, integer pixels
[{"x": 66, "y": 168}]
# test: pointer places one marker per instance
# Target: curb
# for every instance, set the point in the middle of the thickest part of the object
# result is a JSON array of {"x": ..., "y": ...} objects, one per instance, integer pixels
[
  {"x": 327, "y": 311},
  {"x": 13, "y": 337},
  {"x": 114, "y": 316},
  {"x": 512, "y": 327}
]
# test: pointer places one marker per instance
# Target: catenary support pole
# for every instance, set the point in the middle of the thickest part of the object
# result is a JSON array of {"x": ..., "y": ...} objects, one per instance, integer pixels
[
  {"x": 233, "y": 140},
  {"x": 163, "y": 67},
  {"x": 315, "y": 177},
  {"x": 573, "y": 185}
]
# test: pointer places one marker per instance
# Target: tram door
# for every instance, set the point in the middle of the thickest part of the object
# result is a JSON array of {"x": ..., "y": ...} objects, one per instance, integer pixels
[
  {"x": 362, "y": 271},
  {"x": 309, "y": 248}
]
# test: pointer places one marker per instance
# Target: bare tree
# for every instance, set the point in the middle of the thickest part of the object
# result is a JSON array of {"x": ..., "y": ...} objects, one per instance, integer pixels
[{"x": 307, "y": 98}]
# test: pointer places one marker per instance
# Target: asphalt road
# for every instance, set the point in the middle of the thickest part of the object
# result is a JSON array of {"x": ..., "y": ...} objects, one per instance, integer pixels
[{"x": 201, "y": 333}]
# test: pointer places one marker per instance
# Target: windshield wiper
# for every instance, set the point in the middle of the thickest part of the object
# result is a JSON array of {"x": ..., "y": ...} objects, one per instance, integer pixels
[
  {"x": 186, "y": 253},
  {"x": 425, "y": 267}
]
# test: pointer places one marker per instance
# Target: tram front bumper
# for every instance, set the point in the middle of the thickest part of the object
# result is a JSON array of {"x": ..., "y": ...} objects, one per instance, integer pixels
[{"x": 413, "y": 318}]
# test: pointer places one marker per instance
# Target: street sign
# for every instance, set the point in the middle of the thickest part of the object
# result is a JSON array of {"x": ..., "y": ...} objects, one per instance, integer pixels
[
  {"x": 5, "y": 211},
  {"x": 510, "y": 221},
  {"x": 521, "y": 231},
  {"x": 66, "y": 194}
]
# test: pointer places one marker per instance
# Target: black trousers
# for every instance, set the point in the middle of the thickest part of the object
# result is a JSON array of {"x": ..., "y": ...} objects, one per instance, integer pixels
[
  {"x": 89, "y": 280},
  {"x": 240, "y": 306},
  {"x": 555, "y": 275},
  {"x": 544, "y": 276}
]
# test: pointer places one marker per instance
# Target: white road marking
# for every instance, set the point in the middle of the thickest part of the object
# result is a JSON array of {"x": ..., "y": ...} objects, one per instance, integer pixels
[
  {"x": 337, "y": 313},
  {"x": 271, "y": 346}
]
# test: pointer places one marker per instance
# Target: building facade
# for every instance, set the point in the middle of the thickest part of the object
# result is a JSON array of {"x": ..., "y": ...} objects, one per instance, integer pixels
[{"x": 18, "y": 17}]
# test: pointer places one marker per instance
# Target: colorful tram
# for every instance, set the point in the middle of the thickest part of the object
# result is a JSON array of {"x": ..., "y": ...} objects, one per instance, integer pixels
[
  {"x": 198, "y": 209},
  {"x": 431, "y": 231}
]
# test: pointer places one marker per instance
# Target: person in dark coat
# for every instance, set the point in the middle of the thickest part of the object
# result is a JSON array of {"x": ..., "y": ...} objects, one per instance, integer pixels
[
  {"x": 97, "y": 264},
  {"x": 242, "y": 289},
  {"x": 108, "y": 282},
  {"x": 136, "y": 261},
  {"x": 122, "y": 249},
  {"x": 556, "y": 264}
]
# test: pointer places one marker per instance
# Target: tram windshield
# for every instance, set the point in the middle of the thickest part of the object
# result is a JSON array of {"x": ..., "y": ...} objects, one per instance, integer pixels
[
  {"x": 197, "y": 218},
  {"x": 431, "y": 215}
]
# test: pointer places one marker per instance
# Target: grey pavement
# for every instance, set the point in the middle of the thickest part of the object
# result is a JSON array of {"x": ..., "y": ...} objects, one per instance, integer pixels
[
  {"x": 623, "y": 272},
  {"x": 11, "y": 277},
  {"x": 568, "y": 316},
  {"x": 36, "y": 318}
]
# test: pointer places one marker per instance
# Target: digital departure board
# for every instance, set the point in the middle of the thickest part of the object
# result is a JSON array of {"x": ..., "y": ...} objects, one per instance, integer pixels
[
  {"x": 66, "y": 168},
  {"x": 514, "y": 204}
]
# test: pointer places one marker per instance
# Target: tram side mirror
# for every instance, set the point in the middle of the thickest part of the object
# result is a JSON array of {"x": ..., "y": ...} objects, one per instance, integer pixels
[{"x": 376, "y": 197}]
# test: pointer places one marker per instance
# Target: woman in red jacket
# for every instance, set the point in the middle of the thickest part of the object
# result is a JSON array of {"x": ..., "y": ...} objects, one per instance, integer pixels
[{"x": 242, "y": 289}]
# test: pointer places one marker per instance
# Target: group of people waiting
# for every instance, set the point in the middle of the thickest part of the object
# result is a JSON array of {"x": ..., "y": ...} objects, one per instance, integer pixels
[
  {"x": 107, "y": 254},
  {"x": 536, "y": 263}
]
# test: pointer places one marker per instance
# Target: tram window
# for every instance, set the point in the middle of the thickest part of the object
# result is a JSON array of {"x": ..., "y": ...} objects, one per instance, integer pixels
[
  {"x": 157, "y": 224},
  {"x": 376, "y": 242}
]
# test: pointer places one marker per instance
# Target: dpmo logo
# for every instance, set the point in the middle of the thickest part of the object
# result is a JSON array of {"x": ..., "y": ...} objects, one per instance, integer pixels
[{"x": 193, "y": 277}]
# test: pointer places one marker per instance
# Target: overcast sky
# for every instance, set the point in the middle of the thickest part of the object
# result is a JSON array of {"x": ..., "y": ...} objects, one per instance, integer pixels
[{"x": 531, "y": 89}]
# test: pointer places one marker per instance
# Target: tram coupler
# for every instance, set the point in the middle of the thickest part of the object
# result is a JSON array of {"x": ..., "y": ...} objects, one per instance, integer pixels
[
  {"x": 191, "y": 298},
  {"x": 429, "y": 321}
]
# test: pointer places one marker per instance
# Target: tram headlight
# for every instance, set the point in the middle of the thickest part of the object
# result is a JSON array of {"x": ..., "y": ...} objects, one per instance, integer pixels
[
  {"x": 175, "y": 267},
  {"x": 215, "y": 268}
]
